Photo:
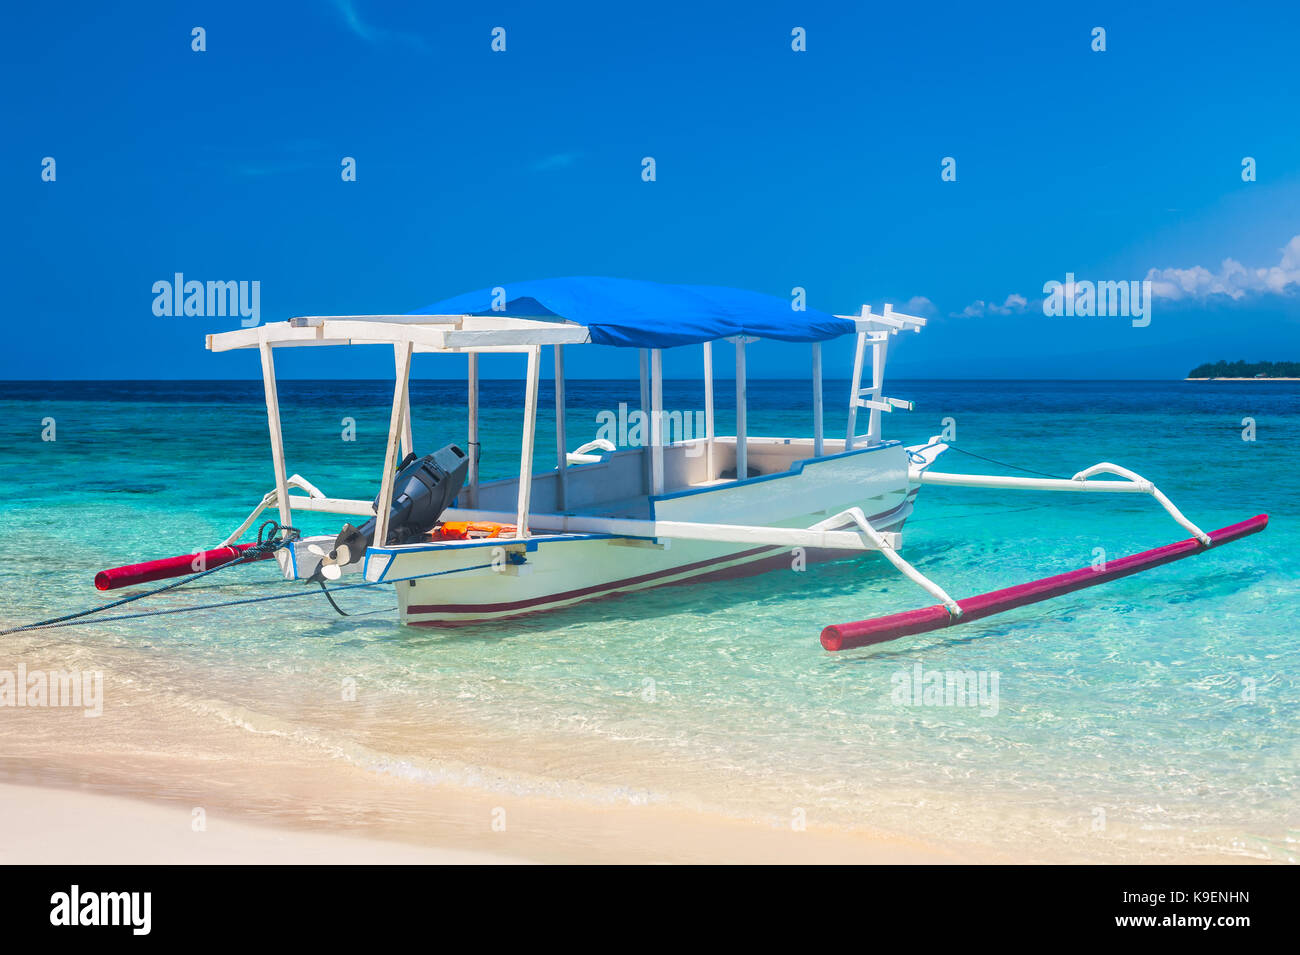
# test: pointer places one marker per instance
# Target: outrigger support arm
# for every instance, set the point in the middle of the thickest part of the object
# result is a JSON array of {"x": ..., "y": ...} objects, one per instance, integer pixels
[
  {"x": 886, "y": 548},
  {"x": 1132, "y": 484},
  {"x": 881, "y": 629},
  {"x": 948, "y": 613},
  {"x": 822, "y": 535},
  {"x": 272, "y": 499},
  {"x": 1105, "y": 467}
]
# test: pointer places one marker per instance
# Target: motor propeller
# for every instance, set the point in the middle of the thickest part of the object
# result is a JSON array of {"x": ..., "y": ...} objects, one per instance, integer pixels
[{"x": 330, "y": 567}]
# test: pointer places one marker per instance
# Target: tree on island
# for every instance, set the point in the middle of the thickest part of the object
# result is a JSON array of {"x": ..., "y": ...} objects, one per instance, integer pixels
[{"x": 1246, "y": 369}]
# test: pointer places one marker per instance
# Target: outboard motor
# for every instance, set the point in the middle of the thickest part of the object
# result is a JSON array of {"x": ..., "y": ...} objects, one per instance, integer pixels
[{"x": 422, "y": 490}]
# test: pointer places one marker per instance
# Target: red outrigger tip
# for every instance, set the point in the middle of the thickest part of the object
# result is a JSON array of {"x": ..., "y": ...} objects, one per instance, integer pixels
[
  {"x": 863, "y": 633},
  {"x": 167, "y": 567}
]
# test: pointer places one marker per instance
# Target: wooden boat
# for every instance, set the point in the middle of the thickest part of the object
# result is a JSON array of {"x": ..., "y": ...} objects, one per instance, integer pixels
[{"x": 603, "y": 521}]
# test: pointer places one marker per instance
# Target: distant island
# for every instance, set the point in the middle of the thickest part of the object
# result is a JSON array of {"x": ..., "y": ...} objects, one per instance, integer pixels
[{"x": 1246, "y": 371}]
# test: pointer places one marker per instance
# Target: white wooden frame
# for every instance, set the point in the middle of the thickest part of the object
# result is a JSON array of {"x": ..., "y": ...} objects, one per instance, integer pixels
[
  {"x": 529, "y": 437},
  {"x": 876, "y": 330},
  {"x": 656, "y": 421},
  {"x": 471, "y": 376},
  {"x": 742, "y": 413},
  {"x": 561, "y": 443},
  {"x": 818, "y": 417},
  {"x": 277, "y": 435},
  {"x": 708, "y": 409},
  {"x": 879, "y": 351},
  {"x": 643, "y": 362},
  {"x": 396, "y": 429},
  {"x": 1132, "y": 483},
  {"x": 819, "y": 535},
  {"x": 408, "y": 441},
  {"x": 427, "y": 333},
  {"x": 473, "y": 335}
]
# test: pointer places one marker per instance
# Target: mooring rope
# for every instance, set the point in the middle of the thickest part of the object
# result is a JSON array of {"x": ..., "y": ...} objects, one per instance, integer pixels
[
  {"x": 73, "y": 619},
  {"x": 263, "y": 547},
  {"x": 982, "y": 512},
  {"x": 1004, "y": 464},
  {"x": 162, "y": 613},
  {"x": 1001, "y": 464},
  {"x": 344, "y": 613}
]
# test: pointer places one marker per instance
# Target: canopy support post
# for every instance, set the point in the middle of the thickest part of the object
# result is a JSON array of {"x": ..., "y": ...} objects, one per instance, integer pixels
[
  {"x": 855, "y": 386},
  {"x": 742, "y": 463},
  {"x": 408, "y": 445},
  {"x": 708, "y": 411},
  {"x": 879, "y": 349},
  {"x": 472, "y": 440},
  {"x": 656, "y": 421},
  {"x": 643, "y": 356},
  {"x": 561, "y": 444},
  {"x": 818, "y": 434},
  {"x": 395, "y": 425},
  {"x": 530, "y": 435},
  {"x": 277, "y": 436}
]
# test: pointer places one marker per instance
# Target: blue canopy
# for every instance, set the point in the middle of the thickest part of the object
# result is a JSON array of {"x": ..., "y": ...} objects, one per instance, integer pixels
[{"x": 634, "y": 314}]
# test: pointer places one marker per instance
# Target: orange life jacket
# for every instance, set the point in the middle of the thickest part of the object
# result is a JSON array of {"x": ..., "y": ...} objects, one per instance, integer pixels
[{"x": 471, "y": 530}]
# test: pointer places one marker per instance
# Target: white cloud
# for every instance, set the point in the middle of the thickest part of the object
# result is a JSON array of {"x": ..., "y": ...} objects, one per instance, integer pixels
[
  {"x": 1233, "y": 279},
  {"x": 1194, "y": 284},
  {"x": 1013, "y": 304},
  {"x": 918, "y": 305}
]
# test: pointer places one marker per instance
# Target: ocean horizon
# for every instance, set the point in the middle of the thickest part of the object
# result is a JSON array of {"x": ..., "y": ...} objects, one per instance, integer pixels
[{"x": 570, "y": 377}]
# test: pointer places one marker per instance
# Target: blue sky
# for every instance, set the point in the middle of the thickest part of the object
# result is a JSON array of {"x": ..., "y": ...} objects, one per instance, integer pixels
[{"x": 775, "y": 169}]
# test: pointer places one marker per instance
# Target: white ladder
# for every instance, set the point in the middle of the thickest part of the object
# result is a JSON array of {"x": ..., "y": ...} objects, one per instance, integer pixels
[{"x": 872, "y": 397}]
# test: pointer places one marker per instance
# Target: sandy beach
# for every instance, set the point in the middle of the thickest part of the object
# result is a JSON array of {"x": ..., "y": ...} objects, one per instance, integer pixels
[
  {"x": 56, "y": 826},
  {"x": 99, "y": 829},
  {"x": 146, "y": 782},
  {"x": 143, "y": 782}
]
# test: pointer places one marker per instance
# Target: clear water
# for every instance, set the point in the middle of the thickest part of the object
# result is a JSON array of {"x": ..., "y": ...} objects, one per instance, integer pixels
[{"x": 1167, "y": 701}]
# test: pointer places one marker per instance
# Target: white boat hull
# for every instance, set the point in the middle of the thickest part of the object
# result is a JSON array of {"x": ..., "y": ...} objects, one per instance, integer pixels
[{"x": 448, "y": 583}]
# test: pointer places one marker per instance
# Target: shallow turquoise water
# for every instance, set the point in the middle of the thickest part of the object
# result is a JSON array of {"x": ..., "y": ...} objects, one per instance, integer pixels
[{"x": 1168, "y": 701}]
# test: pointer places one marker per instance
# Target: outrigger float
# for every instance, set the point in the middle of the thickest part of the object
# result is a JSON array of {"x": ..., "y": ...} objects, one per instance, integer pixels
[{"x": 605, "y": 521}]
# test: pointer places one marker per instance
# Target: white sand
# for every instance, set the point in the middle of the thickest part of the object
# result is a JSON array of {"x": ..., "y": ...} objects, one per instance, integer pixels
[
  {"x": 68, "y": 827},
  {"x": 122, "y": 788}
]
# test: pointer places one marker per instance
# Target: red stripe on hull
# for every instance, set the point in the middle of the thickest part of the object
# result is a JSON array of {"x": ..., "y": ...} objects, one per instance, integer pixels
[
  {"x": 753, "y": 568},
  {"x": 519, "y": 608},
  {"x": 579, "y": 592}
]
